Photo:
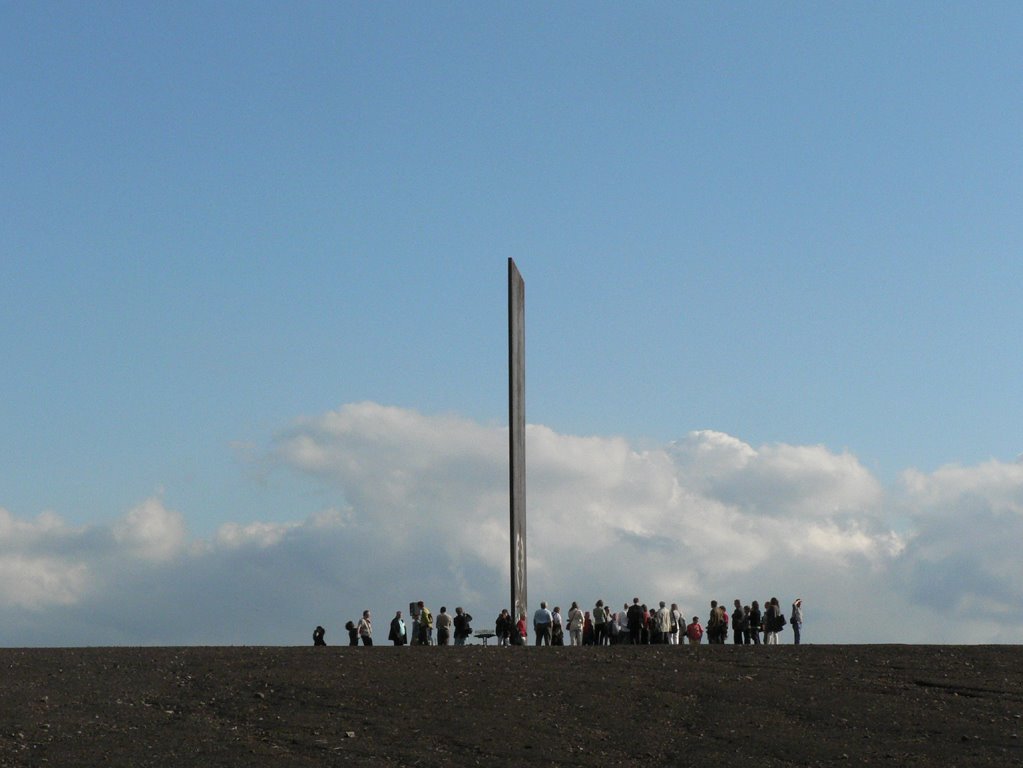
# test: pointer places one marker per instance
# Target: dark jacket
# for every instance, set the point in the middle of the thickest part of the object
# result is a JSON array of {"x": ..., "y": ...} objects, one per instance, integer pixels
[{"x": 396, "y": 633}]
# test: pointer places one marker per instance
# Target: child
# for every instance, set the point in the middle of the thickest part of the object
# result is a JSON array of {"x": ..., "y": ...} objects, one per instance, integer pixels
[{"x": 695, "y": 631}]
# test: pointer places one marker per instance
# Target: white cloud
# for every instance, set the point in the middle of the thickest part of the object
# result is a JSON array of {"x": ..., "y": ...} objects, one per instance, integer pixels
[
  {"x": 961, "y": 555},
  {"x": 151, "y": 531},
  {"x": 260, "y": 535},
  {"x": 36, "y": 582},
  {"x": 35, "y": 569},
  {"x": 419, "y": 510}
]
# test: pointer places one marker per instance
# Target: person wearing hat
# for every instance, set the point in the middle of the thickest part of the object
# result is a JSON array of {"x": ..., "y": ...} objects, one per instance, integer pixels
[{"x": 797, "y": 619}]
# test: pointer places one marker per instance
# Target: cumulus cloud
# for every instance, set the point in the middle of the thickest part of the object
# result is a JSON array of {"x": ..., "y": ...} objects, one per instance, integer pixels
[
  {"x": 38, "y": 563},
  {"x": 960, "y": 557},
  {"x": 151, "y": 531},
  {"x": 418, "y": 510}
]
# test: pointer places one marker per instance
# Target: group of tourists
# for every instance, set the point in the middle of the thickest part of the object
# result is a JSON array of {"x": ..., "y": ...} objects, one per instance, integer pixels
[
  {"x": 634, "y": 624},
  {"x": 748, "y": 622},
  {"x": 638, "y": 624},
  {"x": 421, "y": 631}
]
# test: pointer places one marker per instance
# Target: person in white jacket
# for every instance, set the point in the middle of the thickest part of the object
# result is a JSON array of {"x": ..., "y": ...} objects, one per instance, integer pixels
[
  {"x": 663, "y": 623},
  {"x": 678, "y": 622},
  {"x": 575, "y": 625}
]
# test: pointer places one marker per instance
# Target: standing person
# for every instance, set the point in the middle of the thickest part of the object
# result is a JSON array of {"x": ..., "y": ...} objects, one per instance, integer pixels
[
  {"x": 678, "y": 624},
  {"x": 397, "y": 633},
  {"x": 425, "y": 625},
  {"x": 519, "y": 634},
  {"x": 611, "y": 627},
  {"x": 599, "y": 620},
  {"x": 779, "y": 618},
  {"x": 318, "y": 634},
  {"x": 587, "y": 629},
  {"x": 738, "y": 623},
  {"x": 713, "y": 623},
  {"x": 557, "y": 628},
  {"x": 797, "y": 619},
  {"x": 366, "y": 628},
  {"x": 653, "y": 625},
  {"x": 353, "y": 632},
  {"x": 462, "y": 628},
  {"x": 695, "y": 631},
  {"x": 635, "y": 618},
  {"x": 575, "y": 625},
  {"x": 771, "y": 623},
  {"x": 542, "y": 621},
  {"x": 503, "y": 627},
  {"x": 748, "y": 629},
  {"x": 663, "y": 624},
  {"x": 443, "y": 626},
  {"x": 755, "y": 619},
  {"x": 623, "y": 624},
  {"x": 413, "y": 635}
]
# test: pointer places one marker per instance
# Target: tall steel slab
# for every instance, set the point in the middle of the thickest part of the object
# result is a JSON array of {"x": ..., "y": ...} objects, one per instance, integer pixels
[{"x": 517, "y": 434}]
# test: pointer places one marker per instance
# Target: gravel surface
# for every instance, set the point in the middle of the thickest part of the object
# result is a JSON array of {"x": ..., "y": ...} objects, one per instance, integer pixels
[{"x": 621, "y": 705}]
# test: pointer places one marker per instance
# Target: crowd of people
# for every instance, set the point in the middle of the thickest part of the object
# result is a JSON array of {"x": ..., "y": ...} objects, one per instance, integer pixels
[{"x": 634, "y": 624}]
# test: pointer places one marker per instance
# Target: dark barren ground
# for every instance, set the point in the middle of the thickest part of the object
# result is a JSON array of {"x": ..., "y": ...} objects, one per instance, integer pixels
[{"x": 721, "y": 705}]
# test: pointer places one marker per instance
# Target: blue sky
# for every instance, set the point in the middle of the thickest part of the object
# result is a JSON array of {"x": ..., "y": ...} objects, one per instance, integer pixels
[{"x": 786, "y": 224}]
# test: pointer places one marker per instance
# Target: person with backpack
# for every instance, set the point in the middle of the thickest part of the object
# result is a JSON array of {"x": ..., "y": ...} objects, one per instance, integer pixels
[{"x": 611, "y": 627}]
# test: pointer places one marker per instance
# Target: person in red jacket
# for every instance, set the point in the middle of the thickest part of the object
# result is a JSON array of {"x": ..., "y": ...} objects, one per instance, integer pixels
[
  {"x": 695, "y": 631},
  {"x": 520, "y": 627}
]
